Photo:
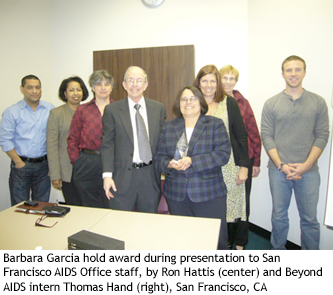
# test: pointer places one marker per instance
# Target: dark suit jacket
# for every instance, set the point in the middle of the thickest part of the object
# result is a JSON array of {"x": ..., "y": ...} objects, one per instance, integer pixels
[
  {"x": 209, "y": 149},
  {"x": 117, "y": 140}
]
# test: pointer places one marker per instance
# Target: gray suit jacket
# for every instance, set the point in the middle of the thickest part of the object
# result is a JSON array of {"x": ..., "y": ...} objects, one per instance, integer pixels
[
  {"x": 117, "y": 141},
  {"x": 58, "y": 126}
]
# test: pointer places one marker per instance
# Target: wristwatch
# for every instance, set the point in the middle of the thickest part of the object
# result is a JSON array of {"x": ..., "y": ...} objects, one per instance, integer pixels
[{"x": 281, "y": 166}]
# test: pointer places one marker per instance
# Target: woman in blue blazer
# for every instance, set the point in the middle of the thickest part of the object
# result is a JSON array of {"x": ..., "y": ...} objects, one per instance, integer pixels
[{"x": 194, "y": 184}]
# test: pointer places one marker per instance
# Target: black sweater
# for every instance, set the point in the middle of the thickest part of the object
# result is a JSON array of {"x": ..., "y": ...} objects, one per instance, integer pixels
[{"x": 238, "y": 133}]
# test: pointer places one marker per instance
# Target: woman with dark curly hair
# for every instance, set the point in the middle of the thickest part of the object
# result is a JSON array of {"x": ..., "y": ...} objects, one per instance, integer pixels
[{"x": 72, "y": 91}]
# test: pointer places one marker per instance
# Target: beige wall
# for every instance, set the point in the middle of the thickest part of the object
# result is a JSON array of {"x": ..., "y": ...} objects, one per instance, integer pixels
[
  {"x": 25, "y": 48},
  {"x": 55, "y": 39},
  {"x": 278, "y": 29}
]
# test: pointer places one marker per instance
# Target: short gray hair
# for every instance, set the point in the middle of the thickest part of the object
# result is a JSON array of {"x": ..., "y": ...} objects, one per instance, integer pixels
[
  {"x": 98, "y": 76},
  {"x": 135, "y": 67}
]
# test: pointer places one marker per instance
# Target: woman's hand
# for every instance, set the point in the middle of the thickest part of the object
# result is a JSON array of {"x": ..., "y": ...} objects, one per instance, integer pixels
[
  {"x": 57, "y": 184},
  {"x": 182, "y": 164},
  {"x": 241, "y": 175},
  {"x": 255, "y": 171}
]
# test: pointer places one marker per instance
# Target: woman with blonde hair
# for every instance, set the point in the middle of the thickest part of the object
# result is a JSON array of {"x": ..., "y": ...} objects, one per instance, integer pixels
[{"x": 239, "y": 231}]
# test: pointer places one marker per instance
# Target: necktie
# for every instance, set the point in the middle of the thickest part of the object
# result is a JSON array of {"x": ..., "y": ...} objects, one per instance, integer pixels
[{"x": 144, "y": 145}]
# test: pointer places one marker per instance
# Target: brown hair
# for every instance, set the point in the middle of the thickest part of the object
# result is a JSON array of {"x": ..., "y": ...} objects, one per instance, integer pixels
[
  {"x": 293, "y": 57},
  {"x": 197, "y": 93},
  {"x": 211, "y": 69}
]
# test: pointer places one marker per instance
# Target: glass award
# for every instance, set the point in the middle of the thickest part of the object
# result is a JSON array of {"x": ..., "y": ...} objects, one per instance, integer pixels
[{"x": 181, "y": 148}]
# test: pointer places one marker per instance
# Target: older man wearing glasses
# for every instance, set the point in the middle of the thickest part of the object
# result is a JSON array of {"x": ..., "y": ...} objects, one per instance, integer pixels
[{"x": 131, "y": 129}]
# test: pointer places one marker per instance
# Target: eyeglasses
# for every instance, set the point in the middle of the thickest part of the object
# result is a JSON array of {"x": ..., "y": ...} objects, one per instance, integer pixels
[
  {"x": 226, "y": 79},
  {"x": 40, "y": 219},
  {"x": 191, "y": 99},
  {"x": 138, "y": 81}
]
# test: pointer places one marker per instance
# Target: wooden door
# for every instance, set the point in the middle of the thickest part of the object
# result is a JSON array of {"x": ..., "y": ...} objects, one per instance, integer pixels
[{"x": 168, "y": 69}]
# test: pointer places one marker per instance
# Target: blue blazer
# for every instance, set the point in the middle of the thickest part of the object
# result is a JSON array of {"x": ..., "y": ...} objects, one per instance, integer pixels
[{"x": 209, "y": 149}]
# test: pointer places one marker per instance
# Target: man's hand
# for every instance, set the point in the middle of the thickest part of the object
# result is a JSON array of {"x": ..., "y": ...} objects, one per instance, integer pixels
[
  {"x": 290, "y": 175},
  {"x": 16, "y": 159},
  {"x": 19, "y": 164},
  {"x": 108, "y": 183},
  {"x": 298, "y": 169}
]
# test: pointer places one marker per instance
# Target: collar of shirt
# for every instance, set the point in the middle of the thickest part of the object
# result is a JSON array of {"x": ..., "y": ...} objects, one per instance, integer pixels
[
  {"x": 237, "y": 95},
  {"x": 142, "y": 103},
  {"x": 94, "y": 101},
  {"x": 22, "y": 104},
  {"x": 290, "y": 97}
]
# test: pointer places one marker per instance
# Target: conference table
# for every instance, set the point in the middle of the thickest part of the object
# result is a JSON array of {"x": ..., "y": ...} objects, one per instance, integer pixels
[{"x": 139, "y": 231}]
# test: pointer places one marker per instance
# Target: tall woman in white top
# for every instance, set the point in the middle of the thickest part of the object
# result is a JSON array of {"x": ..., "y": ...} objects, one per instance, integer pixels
[{"x": 226, "y": 108}]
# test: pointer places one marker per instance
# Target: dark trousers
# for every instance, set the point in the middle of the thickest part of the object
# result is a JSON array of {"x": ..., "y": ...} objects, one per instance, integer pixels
[
  {"x": 32, "y": 178},
  {"x": 215, "y": 208},
  {"x": 70, "y": 194},
  {"x": 238, "y": 231},
  {"x": 141, "y": 194},
  {"x": 87, "y": 178}
]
